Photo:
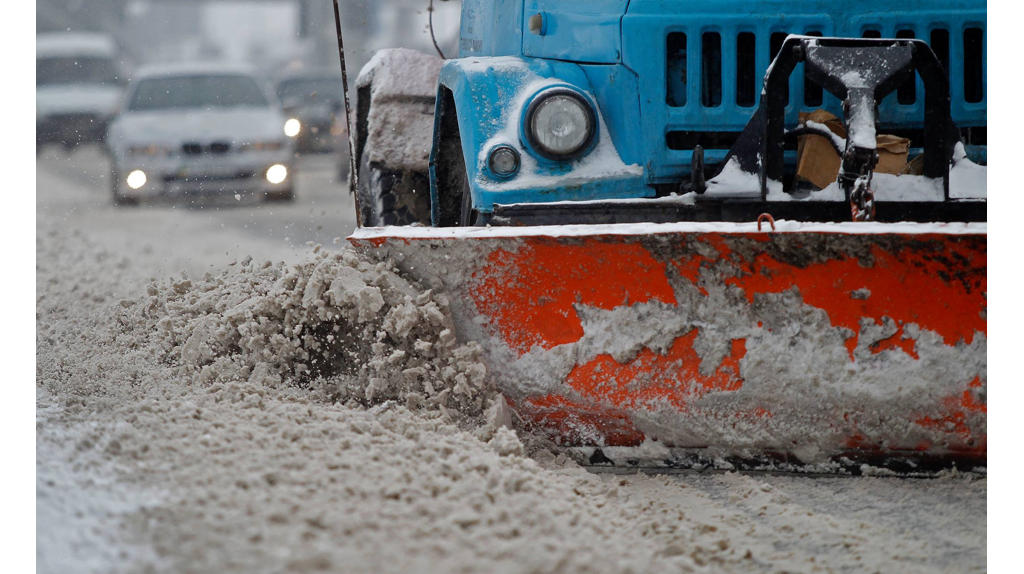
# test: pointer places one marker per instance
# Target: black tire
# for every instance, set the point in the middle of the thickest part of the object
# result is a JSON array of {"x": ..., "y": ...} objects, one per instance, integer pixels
[
  {"x": 468, "y": 217},
  {"x": 387, "y": 197},
  {"x": 285, "y": 195}
]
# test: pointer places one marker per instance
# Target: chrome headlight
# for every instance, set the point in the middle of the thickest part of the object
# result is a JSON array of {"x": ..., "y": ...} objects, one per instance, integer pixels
[{"x": 560, "y": 124}]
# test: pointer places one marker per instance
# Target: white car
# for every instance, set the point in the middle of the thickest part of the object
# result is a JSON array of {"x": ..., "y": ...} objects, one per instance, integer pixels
[
  {"x": 199, "y": 130},
  {"x": 78, "y": 87}
]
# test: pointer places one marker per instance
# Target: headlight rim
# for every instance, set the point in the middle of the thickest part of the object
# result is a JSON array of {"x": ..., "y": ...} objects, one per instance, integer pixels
[
  {"x": 534, "y": 104},
  {"x": 489, "y": 163}
]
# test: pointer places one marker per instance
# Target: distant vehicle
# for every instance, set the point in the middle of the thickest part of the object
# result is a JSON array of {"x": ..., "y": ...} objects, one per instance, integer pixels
[
  {"x": 313, "y": 104},
  {"x": 79, "y": 83},
  {"x": 199, "y": 129}
]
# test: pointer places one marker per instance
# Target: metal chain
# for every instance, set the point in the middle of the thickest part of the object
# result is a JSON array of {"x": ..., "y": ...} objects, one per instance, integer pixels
[{"x": 862, "y": 200}]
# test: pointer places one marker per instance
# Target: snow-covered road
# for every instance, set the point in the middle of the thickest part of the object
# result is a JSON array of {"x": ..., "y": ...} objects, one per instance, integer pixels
[
  {"x": 78, "y": 184},
  {"x": 145, "y": 464}
]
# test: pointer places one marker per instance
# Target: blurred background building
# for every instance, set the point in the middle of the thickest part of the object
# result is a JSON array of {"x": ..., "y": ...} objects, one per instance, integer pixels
[{"x": 274, "y": 35}]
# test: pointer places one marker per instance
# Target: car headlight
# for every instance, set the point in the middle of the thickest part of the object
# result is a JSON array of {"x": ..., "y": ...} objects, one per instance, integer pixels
[
  {"x": 292, "y": 127},
  {"x": 149, "y": 149},
  {"x": 277, "y": 173},
  {"x": 136, "y": 179},
  {"x": 560, "y": 124}
]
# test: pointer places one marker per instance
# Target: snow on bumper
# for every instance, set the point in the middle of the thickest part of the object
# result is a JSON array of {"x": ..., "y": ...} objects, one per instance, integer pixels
[{"x": 815, "y": 340}]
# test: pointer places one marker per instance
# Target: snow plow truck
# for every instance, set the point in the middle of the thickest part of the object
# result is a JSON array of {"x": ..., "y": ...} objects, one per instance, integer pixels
[{"x": 732, "y": 233}]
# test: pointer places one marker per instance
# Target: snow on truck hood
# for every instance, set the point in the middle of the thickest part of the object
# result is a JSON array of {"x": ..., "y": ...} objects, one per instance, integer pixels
[
  {"x": 77, "y": 98},
  {"x": 232, "y": 124}
]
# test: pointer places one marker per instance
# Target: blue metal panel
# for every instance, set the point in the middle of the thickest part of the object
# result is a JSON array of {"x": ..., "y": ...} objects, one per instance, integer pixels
[
  {"x": 646, "y": 26},
  {"x": 491, "y": 28},
  {"x": 616, "y": 90},
  {"x": 922, "y": 23},
  {"x": 576, "y": 31},
  {"x": 628, "y": 78},
  {"x": 490, "y": 96}
]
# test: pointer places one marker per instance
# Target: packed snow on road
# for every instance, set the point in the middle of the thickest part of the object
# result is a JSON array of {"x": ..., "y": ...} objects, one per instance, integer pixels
[{"x": 215, "y": 395}]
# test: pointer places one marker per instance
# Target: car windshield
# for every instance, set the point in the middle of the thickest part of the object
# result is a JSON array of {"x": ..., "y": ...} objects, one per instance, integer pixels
[
  {"x": 75, "y": 70},
  {"x": 310, "y": 89},
  {"x": 205, "y": 91}
]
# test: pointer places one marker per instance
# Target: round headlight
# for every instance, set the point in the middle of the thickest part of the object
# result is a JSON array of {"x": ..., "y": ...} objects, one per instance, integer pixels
[
  {"x": 560, "y": 124},
  {"x": 292, "y": 127},
  {"x": 136, "y": 179},
  {"x": 504, "y": 161},
  {"x": 277, "y": 173}
]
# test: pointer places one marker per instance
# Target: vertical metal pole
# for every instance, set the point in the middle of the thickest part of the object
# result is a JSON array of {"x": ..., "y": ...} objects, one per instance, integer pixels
[
  {"x": 430, "y": 20},
  {"x": 353, "y": 177}
]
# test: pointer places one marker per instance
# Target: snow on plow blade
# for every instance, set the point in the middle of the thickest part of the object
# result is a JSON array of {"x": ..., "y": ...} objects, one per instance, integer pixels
[{"x": 814, "y": 342}]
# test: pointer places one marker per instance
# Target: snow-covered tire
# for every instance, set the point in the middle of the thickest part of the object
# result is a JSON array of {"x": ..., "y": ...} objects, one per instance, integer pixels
[
  {"x": 387, "y": 197},
  {"x": 393, "y": 130}
]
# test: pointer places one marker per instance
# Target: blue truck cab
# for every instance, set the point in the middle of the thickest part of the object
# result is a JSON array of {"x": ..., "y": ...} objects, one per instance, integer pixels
[
  {"x": 598, "y": 101},
  {"x": 662, "y": 77}
]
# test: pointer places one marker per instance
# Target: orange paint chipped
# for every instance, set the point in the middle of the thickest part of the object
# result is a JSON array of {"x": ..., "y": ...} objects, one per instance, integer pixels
[
  {"x": 652, "y": 377},
  {"x": 689, "y": 266},
  {"x": 530, "y": 293},
  {"x": 911, "y": 286},
  {"x": 528, "y": 290},
  {"x": 958, "y": 408},
  {"x": 577, "y": 423},
  {"x": 859, "y": 442}
]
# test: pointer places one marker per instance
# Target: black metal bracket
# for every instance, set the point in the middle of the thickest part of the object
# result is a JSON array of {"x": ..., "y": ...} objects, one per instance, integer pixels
[{"x": 861, "y": 72}]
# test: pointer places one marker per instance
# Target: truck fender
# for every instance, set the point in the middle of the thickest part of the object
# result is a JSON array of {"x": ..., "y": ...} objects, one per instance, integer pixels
[{"x": 479, "y": 103}]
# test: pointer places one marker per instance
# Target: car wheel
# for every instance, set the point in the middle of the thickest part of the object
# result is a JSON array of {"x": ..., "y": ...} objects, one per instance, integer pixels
[{"x": 283, "y": 195}]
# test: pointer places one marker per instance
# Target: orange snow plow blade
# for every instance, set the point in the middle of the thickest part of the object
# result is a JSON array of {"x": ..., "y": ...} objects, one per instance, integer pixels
[{"x": 813, "y": 341}]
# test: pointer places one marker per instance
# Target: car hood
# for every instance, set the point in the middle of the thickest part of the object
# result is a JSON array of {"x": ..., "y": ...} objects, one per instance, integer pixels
[
  {"x": 177, "y": 126},
  {"x": 77, "y": 99}
]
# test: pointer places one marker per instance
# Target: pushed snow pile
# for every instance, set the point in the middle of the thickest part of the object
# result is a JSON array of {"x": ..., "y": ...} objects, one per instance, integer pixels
[
  {"x": 347, "y": 329},
  {"x": 141, "y": 469}
]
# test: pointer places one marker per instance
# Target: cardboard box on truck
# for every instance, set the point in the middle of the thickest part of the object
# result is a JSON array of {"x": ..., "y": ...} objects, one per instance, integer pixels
[{"x": 818, "y": 163}]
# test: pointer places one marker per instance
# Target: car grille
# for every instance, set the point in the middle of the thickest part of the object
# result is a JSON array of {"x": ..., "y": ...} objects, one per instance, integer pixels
[
  {"x": 212, "y": 148},
  {"x": 240, "y": 175}
]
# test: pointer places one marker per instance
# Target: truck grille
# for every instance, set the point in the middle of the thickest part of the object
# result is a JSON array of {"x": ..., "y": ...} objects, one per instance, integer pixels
[{"x": 719, "y": 76}]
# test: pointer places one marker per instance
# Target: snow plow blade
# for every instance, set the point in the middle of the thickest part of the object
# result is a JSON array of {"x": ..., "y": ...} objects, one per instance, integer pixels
[{"x": 807, "y": 344}]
